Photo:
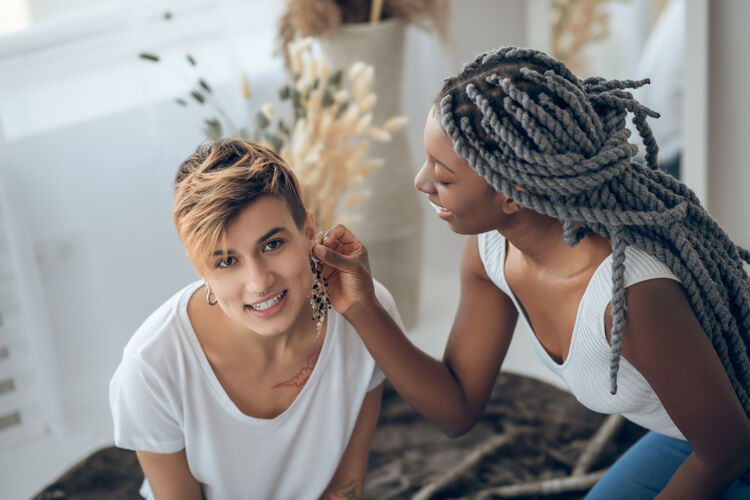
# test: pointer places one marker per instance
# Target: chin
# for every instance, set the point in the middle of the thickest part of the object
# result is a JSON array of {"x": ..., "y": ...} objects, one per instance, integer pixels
[
  {"x": 464, "y": 230},
  {"x": 264, "y": 327},
  {"x": 268, "y": 328}
]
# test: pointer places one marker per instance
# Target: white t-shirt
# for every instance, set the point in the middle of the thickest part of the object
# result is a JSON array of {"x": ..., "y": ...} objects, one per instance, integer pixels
[{"x": 165, "y": 397}]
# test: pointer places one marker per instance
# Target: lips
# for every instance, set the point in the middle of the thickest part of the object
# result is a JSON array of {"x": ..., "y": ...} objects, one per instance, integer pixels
[{"x": 442, "y": 212}]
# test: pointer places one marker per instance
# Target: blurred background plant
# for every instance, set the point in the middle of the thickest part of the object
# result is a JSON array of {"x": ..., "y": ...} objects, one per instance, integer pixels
[
  {"x": 332, "y": 129},
  {"x": 319, "y": 18},
  {"x": 325, "y": 134},
  {"x": 575, "y": 25}
]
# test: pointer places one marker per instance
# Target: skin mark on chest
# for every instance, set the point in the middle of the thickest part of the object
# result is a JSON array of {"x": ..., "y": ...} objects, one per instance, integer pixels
[{"x": 303, "y": 374}]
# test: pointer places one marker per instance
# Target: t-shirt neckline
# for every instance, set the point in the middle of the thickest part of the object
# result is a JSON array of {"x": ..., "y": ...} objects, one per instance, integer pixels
[{"x": 213, "y": 380}]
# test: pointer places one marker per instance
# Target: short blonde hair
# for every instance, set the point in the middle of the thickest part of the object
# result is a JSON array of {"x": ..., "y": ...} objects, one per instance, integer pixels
[{"x": 215, "y": 183}]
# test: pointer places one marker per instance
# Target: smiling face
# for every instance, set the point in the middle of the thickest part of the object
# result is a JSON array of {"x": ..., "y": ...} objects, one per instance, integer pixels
[
  {"x": 460, "y": 196},
  {"x": 266, "y": 253}
]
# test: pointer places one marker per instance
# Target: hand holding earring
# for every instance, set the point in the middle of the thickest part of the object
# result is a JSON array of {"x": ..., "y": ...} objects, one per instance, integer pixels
[{"x": 347, "y": 268}]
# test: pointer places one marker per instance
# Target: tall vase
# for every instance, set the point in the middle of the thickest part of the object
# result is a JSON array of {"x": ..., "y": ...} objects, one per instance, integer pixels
[{"x": 390, "y": 222}]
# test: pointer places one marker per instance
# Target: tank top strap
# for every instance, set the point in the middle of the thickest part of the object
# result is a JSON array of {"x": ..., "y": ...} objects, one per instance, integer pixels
[{"x": 492, "y": 253}]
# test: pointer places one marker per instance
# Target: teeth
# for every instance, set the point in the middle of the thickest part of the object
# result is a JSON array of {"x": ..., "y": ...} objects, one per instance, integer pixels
[
  {"x": 269, "y": 303},
  {"x": 437, "y": 207}
]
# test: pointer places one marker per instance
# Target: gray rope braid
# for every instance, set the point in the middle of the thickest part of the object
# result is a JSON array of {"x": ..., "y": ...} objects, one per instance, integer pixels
[{"x": 522, "y": 119}]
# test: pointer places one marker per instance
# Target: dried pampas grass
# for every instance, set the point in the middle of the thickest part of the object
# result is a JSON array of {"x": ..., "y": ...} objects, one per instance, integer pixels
[
  {"x": 305, "y": 18},
  {"x": 424, "y": 14},
  {"x": 327, "y": 144},
  {"x": 575, "y": 25},
  {"x": 318, "y": 18}
]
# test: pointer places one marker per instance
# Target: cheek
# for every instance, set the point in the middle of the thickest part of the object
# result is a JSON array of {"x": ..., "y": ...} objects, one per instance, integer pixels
[
  {"x": 227, "y": 286},
  {"x": 305, "y": 275},
  {"x": 297, "y": 268}
]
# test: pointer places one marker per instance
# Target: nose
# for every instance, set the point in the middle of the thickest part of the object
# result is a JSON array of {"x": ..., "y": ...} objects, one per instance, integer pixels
[
  {"x": 258, "y": 277},
  {"x": 424, "y": 180}
]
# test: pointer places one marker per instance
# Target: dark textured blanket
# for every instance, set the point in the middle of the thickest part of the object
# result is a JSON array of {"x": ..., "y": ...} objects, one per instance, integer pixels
[{"x": 530, "y": 431}]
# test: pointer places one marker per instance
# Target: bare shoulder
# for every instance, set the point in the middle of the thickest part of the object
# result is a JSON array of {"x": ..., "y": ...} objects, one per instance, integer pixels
[
  {"x": 481, "y": 332},
  {"x": 485, "y": 313},
  {"x": 666, "y": 343},
  {"x": 471, "y": 260},
  {"x": 656, "y": 305}
]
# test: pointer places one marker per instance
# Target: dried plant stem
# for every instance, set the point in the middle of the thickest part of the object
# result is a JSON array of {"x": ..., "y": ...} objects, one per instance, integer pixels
[
  {"x": 391, "y": 473},
  {"x": 469, "y": 461},
  {"x": 320, "y": 18},
  {"x": 544, "y": 487},
  {"x": 376, "y": 10},
  {"x": 208, "y": 97},
  {"x": 597, "y": 443}
]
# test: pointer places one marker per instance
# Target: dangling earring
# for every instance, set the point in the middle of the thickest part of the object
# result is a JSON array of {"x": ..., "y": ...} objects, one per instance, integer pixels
[
  {"x": 319, "y": 299},
  {"x": 208, "y": 295}
]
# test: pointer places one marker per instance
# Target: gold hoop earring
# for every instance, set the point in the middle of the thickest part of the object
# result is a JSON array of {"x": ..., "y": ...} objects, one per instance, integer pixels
[
  {"x": 319, "y": 299},
  {"x": 208, "y": 295}
]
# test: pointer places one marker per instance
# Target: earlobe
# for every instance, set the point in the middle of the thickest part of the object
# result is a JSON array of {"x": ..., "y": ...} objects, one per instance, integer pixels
[
  {"x": 512, "y": 206},
  {"x": 506, "y": 205}
]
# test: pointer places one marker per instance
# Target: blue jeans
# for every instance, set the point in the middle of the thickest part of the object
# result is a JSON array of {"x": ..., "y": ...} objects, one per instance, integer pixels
[{"x": 646, "y": 468}]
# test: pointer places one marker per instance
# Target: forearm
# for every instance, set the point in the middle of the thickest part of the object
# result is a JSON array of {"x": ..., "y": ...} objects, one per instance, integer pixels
[
  {"x": 424, "y": 382},
  {"x": 702, "y": 479},
  {"x": 350, "y": 490},
  {"x": 169, "y": 476}
]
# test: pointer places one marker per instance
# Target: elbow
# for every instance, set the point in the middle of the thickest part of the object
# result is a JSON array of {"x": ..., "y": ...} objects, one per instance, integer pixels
[
  {"x": 733, "y": 462},
  {"x": 744, "y": 457},
  {"x": 460, "y": 427},
  {"x": 741, "y": 456}
]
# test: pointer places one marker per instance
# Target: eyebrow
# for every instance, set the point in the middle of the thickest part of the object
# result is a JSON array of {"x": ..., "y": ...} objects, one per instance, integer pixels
[
  {"x": 441, "y": 164},
  {"x": 259, "y": 241}
]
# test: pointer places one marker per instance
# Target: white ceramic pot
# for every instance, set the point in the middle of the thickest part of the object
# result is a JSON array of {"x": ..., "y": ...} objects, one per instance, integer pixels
[{"x": 391, "y": 217}]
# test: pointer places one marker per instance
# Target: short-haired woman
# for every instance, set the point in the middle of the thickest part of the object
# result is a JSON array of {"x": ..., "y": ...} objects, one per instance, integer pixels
[{"x": 244, "y": 384}]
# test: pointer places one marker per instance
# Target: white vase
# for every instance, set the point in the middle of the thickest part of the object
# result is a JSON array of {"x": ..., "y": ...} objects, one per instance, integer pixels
[{"x": 390, "y": 222}]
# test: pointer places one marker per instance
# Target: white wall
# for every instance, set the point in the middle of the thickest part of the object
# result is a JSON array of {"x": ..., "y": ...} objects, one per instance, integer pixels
[{"x": 729, "y": 118}]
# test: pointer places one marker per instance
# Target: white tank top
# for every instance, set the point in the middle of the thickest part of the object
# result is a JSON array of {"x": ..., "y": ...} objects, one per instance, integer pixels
[{"x": 586, "y": 368}]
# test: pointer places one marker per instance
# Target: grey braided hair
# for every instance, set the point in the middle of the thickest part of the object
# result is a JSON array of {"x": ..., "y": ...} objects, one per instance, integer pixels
[{"x": 522, "y": 119}]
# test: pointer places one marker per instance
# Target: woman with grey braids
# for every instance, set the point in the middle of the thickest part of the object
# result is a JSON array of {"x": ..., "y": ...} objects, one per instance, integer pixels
[{"x": 636, "y": 298}]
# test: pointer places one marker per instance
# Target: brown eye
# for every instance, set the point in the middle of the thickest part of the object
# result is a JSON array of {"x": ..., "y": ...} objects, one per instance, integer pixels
[
  {"x": 224, "y": 263},
  {"x": 273, "y": 245}
]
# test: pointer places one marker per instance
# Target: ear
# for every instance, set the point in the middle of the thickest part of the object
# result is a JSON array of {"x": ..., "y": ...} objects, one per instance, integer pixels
[
  {"x": 310, "y": 227},
  {"x": 511, "y": 206},
  {"x": 506, "y": 205}
]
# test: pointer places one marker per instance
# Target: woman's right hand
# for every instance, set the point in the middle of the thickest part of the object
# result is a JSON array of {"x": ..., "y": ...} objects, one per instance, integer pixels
[{"x": 346, "y": 267}]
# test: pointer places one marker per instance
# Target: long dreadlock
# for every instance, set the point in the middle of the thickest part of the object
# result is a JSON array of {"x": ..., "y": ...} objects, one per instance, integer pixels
[{"x": 522, "y": 119}]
